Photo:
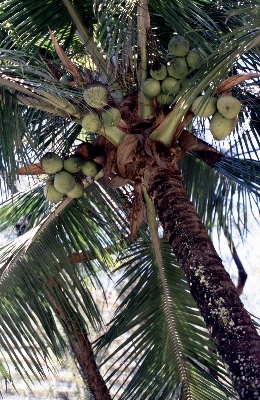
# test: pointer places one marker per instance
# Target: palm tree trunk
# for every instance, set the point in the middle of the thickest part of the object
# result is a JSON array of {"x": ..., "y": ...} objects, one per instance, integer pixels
[
  {"x": 216, "y": 296},
  {"x": 82, "y": 350}
]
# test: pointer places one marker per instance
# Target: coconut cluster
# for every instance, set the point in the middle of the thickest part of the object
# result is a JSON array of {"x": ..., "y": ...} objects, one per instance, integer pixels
[
  {"x": 93, "y": 122},
  {"x": 96, "y": 96},
  {"x": 223, "y": 110},
  {"x": 165, "y": 81},
  {"x": 66, "y": 175}
]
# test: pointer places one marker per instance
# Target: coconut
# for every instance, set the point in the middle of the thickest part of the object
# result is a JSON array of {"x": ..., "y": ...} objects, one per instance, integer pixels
[
  {"x": 170, "y": 85},
  {"x": 221, "y": 127},
  {"x": 89, "y": 168},
  {"x": 165, "y": 99},
  {"x": 193, "y": 58},
  {"x": 111, "y": 117},
  {"x": 64, "y": 182},
  {"x": 91, "y": 122},
  {"x": 178, "y": 46},
  {"x": 228, "y": 106},
  {"x": 72, "y": 164},
  {"x": 203, "y": 107},
  {"x": 77, "y": 191},
  {"x": 158, "y": 71},
  {"x": 51, "y": 163},
  {"x": 151, "y": 88},
  {"x": 96, "y": 95},
  {"x": 178, "y": 68},
  {"x": 51, "y": 193}
]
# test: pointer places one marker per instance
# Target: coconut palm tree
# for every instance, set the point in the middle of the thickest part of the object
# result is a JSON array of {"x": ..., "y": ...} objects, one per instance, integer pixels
[{"x": 93, "y": 59}]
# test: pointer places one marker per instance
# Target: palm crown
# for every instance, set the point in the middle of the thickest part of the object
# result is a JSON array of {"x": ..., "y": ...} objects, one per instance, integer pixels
[{"x": 48, "y": 272}]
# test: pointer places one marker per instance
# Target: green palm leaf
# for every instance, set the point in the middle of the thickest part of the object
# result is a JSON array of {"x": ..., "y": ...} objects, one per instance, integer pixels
[
  {"x": 30, "y": 21},
  {"x": 212, "y": 190},
  {"x": 167, "y": 348},
  {"x": 166, "y": 344},
  {"x": 49, "y": 277}
]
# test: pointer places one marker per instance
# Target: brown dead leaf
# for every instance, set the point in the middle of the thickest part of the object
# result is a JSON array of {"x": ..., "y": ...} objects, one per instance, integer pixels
[
  {"x": 122, "y": 125},
  {"x": 126, "y": 156},
  {"x": 229, "y": 83},
  {"x": 32, "y": 169},
  {"x": 67, "y": 63},
  {"x": 112, "y": 179}
]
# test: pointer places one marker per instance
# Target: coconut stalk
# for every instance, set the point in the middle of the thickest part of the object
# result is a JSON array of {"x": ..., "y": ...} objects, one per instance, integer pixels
[
  {"x": 166, "y": 130},
  {"x": 42, "y": 100},
  {"x": 113, "y": 134},
  {"x": 153, "y": 227},
  {"x": 145, "y": 105},
  {"x": 229, "y": 324},
  {"x": 59, "y": 102},
  {"x": 40, "y": 105}
]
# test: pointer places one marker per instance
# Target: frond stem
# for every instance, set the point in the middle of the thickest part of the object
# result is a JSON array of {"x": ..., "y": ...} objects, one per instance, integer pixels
[{"x": 151, "y": 218}]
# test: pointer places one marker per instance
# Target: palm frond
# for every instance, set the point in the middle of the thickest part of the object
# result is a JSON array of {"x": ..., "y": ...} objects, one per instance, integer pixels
[
  {"x": 244, "y": 172},
  {"x": 212, "y": 191},
  {"x": 10, "y": 137},
  {"x": 29, "y": 22},
  {"x": 42, "y": 262},
  {"x": 168, "y": 351}
]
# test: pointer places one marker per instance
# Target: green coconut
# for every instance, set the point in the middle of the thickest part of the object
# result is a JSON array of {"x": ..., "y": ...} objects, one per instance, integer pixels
[
  {"x": 221, "y": 127},
  {"x": 77, "y": 191},
  {"x": 165, "y": 99},
  {"x": 158, "y": 71},
  {"x": 51, "y": 163},
  {"x": 178, "y": 68},
  {"x": 228, "y": 106},
  {"x": 89, "y": 168},
  {"x": 203, "y": 107},
  {"x": 170, "y": 85},
  {"x": 72, "y": 164},
  {"x": 178, "y": 46},
  {"x": 193, "y": 58},
  {"x": 51, "y": 193},
  {"x": 91, "y": 122},
  {"x": 96, "y": 95},
  {"x": 111, "y": 116},
  {"x": 151, "y": 88},
  {"x": 64, "y": 182}
]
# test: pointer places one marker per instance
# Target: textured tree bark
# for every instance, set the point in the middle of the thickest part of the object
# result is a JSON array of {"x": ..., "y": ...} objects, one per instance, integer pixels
[{"x": 228, "y": 322}]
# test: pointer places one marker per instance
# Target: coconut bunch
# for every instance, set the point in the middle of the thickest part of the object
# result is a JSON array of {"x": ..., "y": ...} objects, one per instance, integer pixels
[
  {"x": 66, "y": 174},
  {"x": 165, "y": 81},
  {"x": 96, "y": 96},
  {"x": 223, "y": 110}
]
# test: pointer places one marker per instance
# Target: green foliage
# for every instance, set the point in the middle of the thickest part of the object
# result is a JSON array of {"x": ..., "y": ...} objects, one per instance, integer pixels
[
  {"x": 165, "y": 349},
  {"x": 163, "y": 337}
]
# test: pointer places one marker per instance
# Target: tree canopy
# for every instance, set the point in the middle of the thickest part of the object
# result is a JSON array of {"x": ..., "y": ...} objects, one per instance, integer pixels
[{"x": 94, "y": 97}]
